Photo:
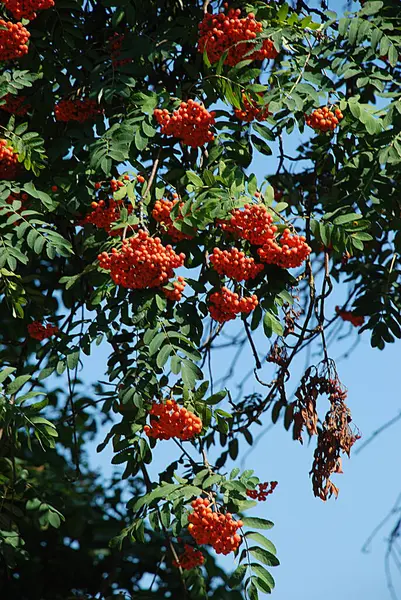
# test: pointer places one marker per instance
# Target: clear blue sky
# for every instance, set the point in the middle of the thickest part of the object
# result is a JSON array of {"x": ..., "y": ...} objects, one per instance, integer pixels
[{"x": 319, "y": 544}]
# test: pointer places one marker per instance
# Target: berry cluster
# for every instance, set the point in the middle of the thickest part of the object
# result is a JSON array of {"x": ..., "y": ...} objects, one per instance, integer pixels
[
  {"x": 115, "y": 44},
  {"x": 161, "y": 213},
  {"x": 15, "y": 105},
  {"x": 143, "y": 262},
  {"x": 26, "y": 9},
  {"x": 291, "y": 251},
  {"x": 221, "y": 32},
  {"x": 19, "y": 197},
  {"x": 13, "y": 40},
  {"x": 323, "y": 119},
  {"x": 263, "y": 491},
  {"x": 234, "y": 264},
  {"x": 190, "y": 123},
  {"x": 347, "y": 315},
  {"x": 253, "y": 223},
  {"x": 226, "y": 305},
  {"x": 80, "y": 109},
  {"x": 40, "y": 332},
  {"x": 214, "y": 528},
  {"x": 170, "y": 421},
  {"x": 105, "y": 214},
  {"x": 251, "y": 110},
  {"x": 189, "y": 559},
  {"x": 175, "y": 294},
  {"x": 9, "y": 165}
]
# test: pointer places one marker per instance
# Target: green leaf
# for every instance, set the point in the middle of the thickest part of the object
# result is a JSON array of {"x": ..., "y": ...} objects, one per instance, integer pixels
[
  {"x": 6, "y": 372},
  {"x": 261, "y": 540},
  {"x": 264, "y": 556},
  {"x": 190, "y": 373},
  {"x": 257, "y": 523},
  {"x": 17, "y": 384},
  {"x": 237, "y": 577}
]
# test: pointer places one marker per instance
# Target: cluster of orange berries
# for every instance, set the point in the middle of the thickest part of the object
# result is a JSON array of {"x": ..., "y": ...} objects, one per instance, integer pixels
[
  {"x": 254, "y": 223},
  {"x": 291, "y": 251},
  {"x": 115, "y": 44},
  {"x": 40, "y": 332},
  {"x": 13, "y": 40},
  {"x": 142, "y": 262},
  {"x": 9, "y": 164},
  {"x": 105, "y": 214},
  {"x": 170, "y": 421},
  {"x": 323, "y": 119},
  {"x": 234, "y": 264},
  {"x": 347, "y": 315},
  {"x": 26, "y": 9},
  {"x": 175, "y": 294},
  {"x": 214, "y": 528},
  {"x": 161, "y": 213},
  {"x": 189, "y": 559},
  {"x": 226, "y": 305},
  {"x": 251, "y": 110},
  {"x": 15, "y": 105},
  {"x": 263, "y": 492},
  {"x": 190, "y": 123},
  {"x": 221, "y": 32},
  {"x": 80, "y": 110}
]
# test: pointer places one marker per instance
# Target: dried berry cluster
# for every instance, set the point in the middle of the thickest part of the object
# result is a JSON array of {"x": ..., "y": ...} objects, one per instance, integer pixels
[
  {"x": 234, "y": 264},
  {"x": 142, "y": 262},
  {"x": 263, "y": 492},
  {"x": 251, "y": 110},
  {"x": 221, "y": 32},
  {"x": 40, "y": 332},
  {"x": 161, "y": 214},
  {"x": 79, "y": 109},
  {"x": 347, "y": 315},
  {"x": 190, "y": 123},
  {"x": 115, "y": 44},
  {"x": 9, "y": 165},
  {"x": 214, "y": 528},
  {"x": 290, "y": 251},
  {"x": 323, "y": 119},
  {"x": 104, "y": 215},
  {"x": 26, "y": 9},
  {"x": 170, "y": 421},
  {"x": 189, "y": 559},
  {"x": 175, "y": 289},
  {"x": 226, "y": 305},
  {"x": 16, "y": 105},
  {"x": 13, "y": 40}
]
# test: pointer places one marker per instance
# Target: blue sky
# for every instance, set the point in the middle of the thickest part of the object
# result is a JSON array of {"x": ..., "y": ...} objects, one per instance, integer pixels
[{"x": 319, "y": 544}]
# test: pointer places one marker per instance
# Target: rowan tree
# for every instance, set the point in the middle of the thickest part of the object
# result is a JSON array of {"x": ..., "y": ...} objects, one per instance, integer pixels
[{"x": 131, "y": 216}]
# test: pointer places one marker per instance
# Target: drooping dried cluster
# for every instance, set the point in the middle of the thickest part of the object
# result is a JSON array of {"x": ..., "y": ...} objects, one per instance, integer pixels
[
  {"x": 168, "y": 420},
  {"x": 173, "y": 291},
  {"x": 221, "y": 32},
  {"x": 323, "y": 119},
  {"x": 265, "y": 489},
  {"x": 189, "y": 559},
  {"x": 190, "y": 123},
  {"x": 9, "y": 165},
  {"x": 16, "y": 105},
  {"x": 27, "y": 9},
  {"x": 251, "y": 110},
  {"x": 253, "y": 223},
  {"x": 289, "y": 251},
  {"x": 40, "y": 332},
  {"x": 161, "y": 213},
  {"x": 226, "y": 305},
  {"x": 347, "y": 315},
  {"x": 115, "y": 45},
  {"x": 335, "y": 436},
  {"x": 104, "y": 215},
  {"x": 142, "y": 262},
  {"x": 78, "y": 109},
  {"x": 214, "y": 528},
  {"x": 234, "y": 264},
  {"x": 13, "y": 40}
]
